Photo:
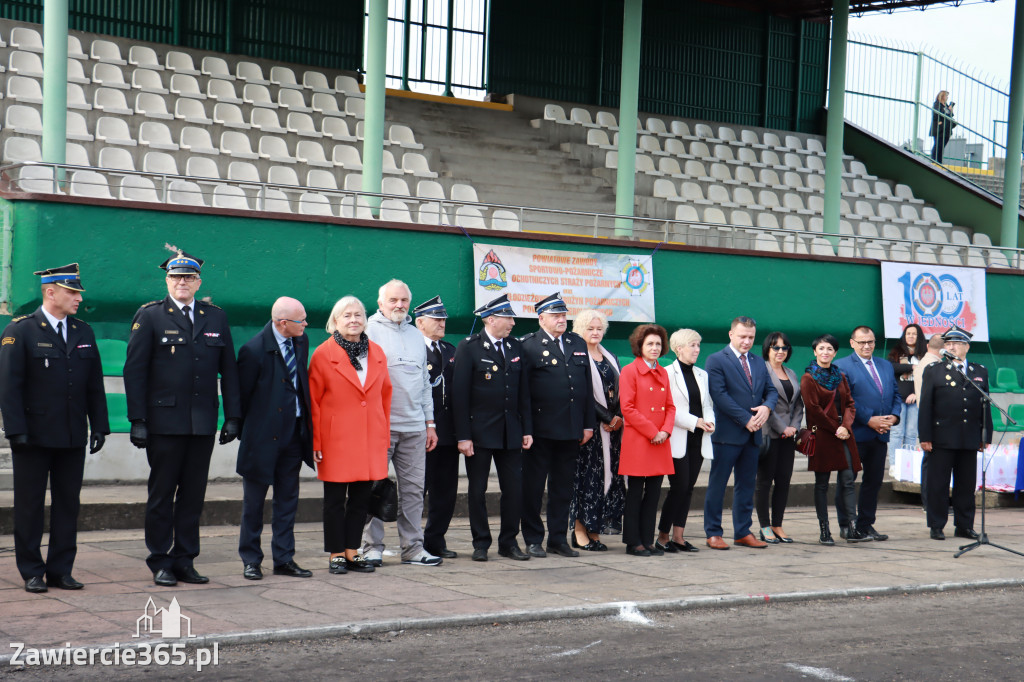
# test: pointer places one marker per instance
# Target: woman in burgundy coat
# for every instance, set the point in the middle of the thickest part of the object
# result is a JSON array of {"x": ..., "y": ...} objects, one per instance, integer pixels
[
  {"x": 648, "y": 413},
  {"x": 826, "y": 396}
]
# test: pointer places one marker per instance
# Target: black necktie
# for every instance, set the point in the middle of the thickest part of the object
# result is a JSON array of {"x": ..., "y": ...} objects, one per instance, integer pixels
[
  {"x": 501, "y": 350},
  {"x": 436, "y": 358},
  {"x": 188, "y": 318},
  {"x": 61, "y": 343}
]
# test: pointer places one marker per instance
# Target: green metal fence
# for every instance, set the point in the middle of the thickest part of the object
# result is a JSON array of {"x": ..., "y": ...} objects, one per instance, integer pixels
[{"x": 890, "y": 91}]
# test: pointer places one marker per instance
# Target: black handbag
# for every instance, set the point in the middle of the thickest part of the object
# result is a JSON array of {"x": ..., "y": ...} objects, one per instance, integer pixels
[{"x": 384, "y": 500}]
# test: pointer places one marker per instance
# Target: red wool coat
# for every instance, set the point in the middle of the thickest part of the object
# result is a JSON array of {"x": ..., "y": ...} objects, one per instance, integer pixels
[
  {"x": 351, "y": 421},
  {"x": 647, "y": 408}
]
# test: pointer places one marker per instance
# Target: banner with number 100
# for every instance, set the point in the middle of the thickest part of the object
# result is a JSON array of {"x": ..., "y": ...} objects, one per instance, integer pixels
[{"x": 934, "y": 297}]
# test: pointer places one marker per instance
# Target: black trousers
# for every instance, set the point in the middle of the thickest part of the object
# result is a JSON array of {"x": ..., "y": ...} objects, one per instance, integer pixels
[
  {"x": 557, "y": 459},
  {"x": 694, "y": 461},
  {"x": 286, "y": 502},
  {"x": 963, "y": 465},
  {"x": 872, "y": 459},
  {"x": 178, "y": 470},
  {"x": 642, "y": 495},
  {"x": 441, "y": 484},
  {"x": 509, "y": 464},
  {"x": 775, "y": 468},
  {"x": 345, "y": 514},
  {"x": 672, "y": 510},
  {"x": 845, "y": 497},
  {"x": 33, "y": 467}
]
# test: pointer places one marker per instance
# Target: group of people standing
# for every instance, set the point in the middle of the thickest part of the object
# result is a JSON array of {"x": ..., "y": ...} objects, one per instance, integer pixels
[{"x": 552, "y": 411}]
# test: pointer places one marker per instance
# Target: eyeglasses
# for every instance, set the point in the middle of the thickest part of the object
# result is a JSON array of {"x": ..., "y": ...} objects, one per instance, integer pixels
[
  {"x": 779, "y": 349},
  {"x": 298, "y": 322},
  {"x": 184, "y": 278},
  {"x": 864, "y": 343}
]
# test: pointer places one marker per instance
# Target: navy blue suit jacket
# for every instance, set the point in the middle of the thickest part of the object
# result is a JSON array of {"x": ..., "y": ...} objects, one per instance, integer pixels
[
  {"x": 734, "y": 397},
  {"x": 866, "y": 398}
]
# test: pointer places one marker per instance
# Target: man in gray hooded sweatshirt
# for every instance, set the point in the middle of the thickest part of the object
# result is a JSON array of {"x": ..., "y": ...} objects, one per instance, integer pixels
[{"x": 412, "y": 422}]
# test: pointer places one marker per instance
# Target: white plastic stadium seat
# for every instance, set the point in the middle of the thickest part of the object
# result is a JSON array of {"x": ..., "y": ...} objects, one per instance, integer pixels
[
  {"x": 347, "y": 157},
  {"x": 106, "y": 51},
  {"x": 150, "y": 105},
  {"x": 283, "y": 77},
  {"x": 231, "y": 197},
  {"x": 185, "y": 193},
  {"x": 184, "y": 85},
  {"x": 216, "y": 67},
  {"x": 111, "y": 101},
  {"x": 266, "y": 121},
  {"x": 108, "y": 76},
  {"x": 250, "y": 73},
  {"x": 159, "y": 162},
  {"x": 469, "y": 217},
  {"x": 144, "y": 57},
  {"x": 148, "y": 80},
  {"x": 237, "y": 145},
  {"x": 76, "y": 97},
  {"x": 222, "y": 91},
  {"x": 416, "y": 164},
  {"x": 258, "y": 96},
  {"x": 181, "y": 62},
  {"x": 17, "y": 149},
  {"x": 27, "y": 64},
  {"x": 348, "y": 85},
  {"x": 90, "y": 184},
  {"x": 314, "y": 203},
  {"x": 24, "y": 90},
  {"x": 137, "y": 188},
  {"x": 198, "y": 141},
  {"x": 326, "y": 104},
  {"x": 243, "y": 171},
  {"x": 316, "y": 81},
  {"x": 272, "y": 199},
  {"x": 116, "y": 158},
  {"x": 302, "y": 125},
  {"x": 321, "y": 179},
  {"x": 191, "y": 111},
  {"x": 274, "y": 149},
  {"x": 230, "y": 116},
  {"x": 114, "y": 131},
  {"x": 24, "y": 38},
  {"x": 312, "y": 153},
  {"x": 156, "y": 136},
  {"x": 292, "y": 100}
]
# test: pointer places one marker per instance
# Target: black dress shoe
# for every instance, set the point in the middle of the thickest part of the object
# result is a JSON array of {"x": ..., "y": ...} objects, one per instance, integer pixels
[
  {"x": 292, "y": 569},
  {"x": 591, "y": 546},
  {"x": 535, "y": 550},
  {"x": 165, "y": 578},
  {"x": 359, "y": 565},
  {"x": 564, "y": 549},
  {"x": 655, "y": 551},
  {"x": 35, "y": 584},
  {"x": 479, "y": 554},
  {"x": 446, "y": 554},
  {"x": 190, "y": 575},
  {"x": 65, "y": 582},
  {"x": 513, "y": 553},
  {"x": 684, "y": 547},
  {"x": 854, "y": 535},
  {"x": 937, "y": 534},
  {"x": 336, "y": 565},
  {"x": 252, "y": 572},
  {"x": 968, "y": 533},
  {"x": 639, "y": 550},
  {"x": 873, "y": 534},
  {"x": 668, "y": 548}
]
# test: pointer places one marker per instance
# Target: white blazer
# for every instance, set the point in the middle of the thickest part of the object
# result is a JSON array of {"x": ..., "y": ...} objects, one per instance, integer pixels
[{"x": 686, "y": 422}]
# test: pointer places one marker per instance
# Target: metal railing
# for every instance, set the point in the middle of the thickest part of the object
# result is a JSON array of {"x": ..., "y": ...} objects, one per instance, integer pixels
[
  {"x": 891, "y": 88},
  {"x": 60, "y": 179}
]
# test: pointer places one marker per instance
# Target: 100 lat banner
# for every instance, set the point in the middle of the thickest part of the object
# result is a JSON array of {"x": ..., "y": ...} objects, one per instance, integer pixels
[
  {"x": 621, "y": 286},
  {"x": 934, "y": 297}
]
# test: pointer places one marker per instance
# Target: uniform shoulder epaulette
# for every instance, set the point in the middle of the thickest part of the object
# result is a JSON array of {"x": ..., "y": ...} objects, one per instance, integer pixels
[
  {"x": 20, "y": 318},
  {"x": 524, "y": 337},
  {"x": 212, "y": 305},
  {"x": 147, "y": 305}
]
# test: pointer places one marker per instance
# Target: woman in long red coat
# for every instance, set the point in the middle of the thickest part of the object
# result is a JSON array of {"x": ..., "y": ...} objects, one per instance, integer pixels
[
  {"x": 826, "y": 395},
  {"x": 350, "y": 396},
  {"x": 648, "y": 413}
]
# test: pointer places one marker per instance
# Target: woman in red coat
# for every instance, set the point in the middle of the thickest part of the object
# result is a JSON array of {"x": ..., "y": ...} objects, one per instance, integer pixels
[
  {"x": 826, "y": 395},
  {"x": 648, "y": 413},
  {"x": 350, "y": 398}
]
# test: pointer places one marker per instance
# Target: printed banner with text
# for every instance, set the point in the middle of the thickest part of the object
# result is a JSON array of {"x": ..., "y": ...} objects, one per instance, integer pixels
[
  {"x": 619, "y": 285},
  {"x": 934, "y": 297}
]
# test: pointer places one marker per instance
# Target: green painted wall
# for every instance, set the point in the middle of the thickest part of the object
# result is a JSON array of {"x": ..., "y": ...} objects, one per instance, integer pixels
[
  {"x": 699, "y": 60},
  {"x": 251, "y": 261},
  {"x": 328, "y": 34},
  {"x": 957, "y": 202}
]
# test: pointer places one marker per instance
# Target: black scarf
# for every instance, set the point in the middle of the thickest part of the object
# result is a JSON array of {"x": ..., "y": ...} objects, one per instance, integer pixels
[
  {"x": 355, "y": 350},
  {"x": 827, "y": 378}
]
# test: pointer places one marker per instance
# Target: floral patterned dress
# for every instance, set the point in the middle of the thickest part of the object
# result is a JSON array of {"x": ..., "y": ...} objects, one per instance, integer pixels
[{"x": 590, "y": 504}]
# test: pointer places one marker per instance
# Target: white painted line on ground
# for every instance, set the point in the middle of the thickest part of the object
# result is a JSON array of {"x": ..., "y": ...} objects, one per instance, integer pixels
[
  {"x": 573, "y": 652},
  {"x": 820, "y": 673}
]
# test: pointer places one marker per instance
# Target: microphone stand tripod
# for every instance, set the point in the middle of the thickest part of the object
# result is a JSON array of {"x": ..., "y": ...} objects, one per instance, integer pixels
[{"x": 986, "y": 400}]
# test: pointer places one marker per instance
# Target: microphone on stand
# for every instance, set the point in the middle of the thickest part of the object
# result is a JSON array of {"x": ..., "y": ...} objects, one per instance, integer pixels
[{"x": 949, "y": 356}]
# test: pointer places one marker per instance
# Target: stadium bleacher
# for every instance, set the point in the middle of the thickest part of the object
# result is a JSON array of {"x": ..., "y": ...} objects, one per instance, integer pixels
[{"x": 234, "y": 134}]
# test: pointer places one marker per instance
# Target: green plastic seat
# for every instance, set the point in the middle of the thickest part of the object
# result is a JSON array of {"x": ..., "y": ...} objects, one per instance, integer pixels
[
  {"x": 117, "y": 407},
  {"x": 1017, "y": 415},
  {"x": 113, "y": 353},
  {"x": 1006, "y": 379}
]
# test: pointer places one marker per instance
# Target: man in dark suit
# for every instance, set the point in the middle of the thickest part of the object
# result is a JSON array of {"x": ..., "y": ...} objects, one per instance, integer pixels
[
  {"x": 490, "y": 397},
  {"x": 560, "y": 417},
  {"x": 177, "y": 349},
  {"x": 441, "y": 474},
  {"x": 276, "y": 435},
  {"x": 744, "y": 397},
  {"x": 873, "y": 388},
  {"x": 52, "y": 383},
  {"x": 954, "y": 423}
]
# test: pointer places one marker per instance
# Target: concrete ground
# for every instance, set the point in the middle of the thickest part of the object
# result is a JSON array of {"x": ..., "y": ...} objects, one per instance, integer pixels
[{"x": 231, "y": 609}]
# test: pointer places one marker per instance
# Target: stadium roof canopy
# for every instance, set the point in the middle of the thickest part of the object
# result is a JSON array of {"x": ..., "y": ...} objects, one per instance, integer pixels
[{"x": 821, "y": 10}]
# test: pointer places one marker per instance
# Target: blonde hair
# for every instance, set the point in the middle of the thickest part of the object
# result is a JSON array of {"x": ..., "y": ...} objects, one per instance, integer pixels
[
  {"x": 339, "y": 307},
  {"x": 583, "y": 320},
  {"x": 681, "y": 338}
]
